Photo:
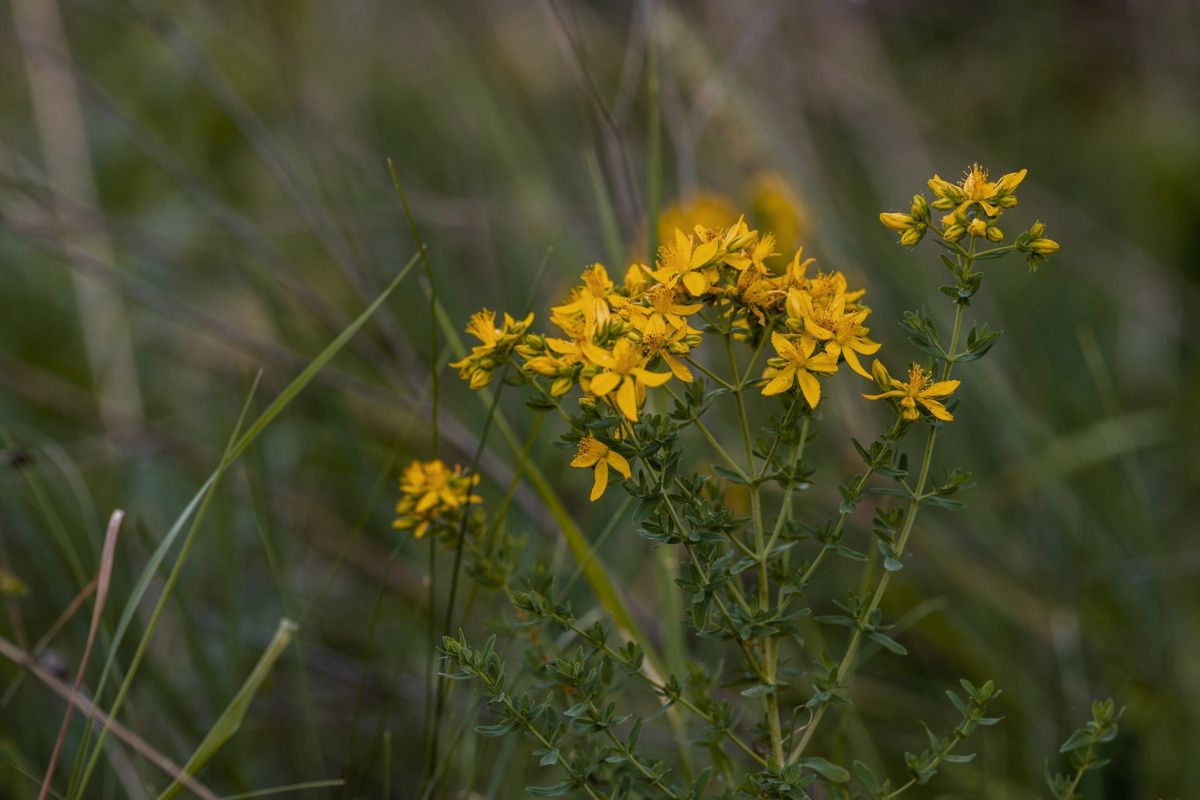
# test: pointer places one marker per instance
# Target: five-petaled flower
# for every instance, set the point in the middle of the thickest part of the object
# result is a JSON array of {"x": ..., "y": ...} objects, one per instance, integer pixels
[
  {"x": 595, "y": 454},
  {"x": 796, "y": 364},
  {"x": 624, "y": 369},
  {"x": 919, "y": 388}
]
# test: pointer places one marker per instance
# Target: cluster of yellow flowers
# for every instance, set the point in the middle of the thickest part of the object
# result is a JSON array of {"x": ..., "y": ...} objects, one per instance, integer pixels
[
  {"x": 975, "y": 206},
  {"x": 618, "y": 340},
  {"x": 433, "y": 495}
]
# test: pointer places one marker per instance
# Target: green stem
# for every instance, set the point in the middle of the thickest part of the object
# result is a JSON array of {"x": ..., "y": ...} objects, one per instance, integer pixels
[
  {"x": 724, "y": 384},
  {"x": 958, "y": 737},
  {"x": 910, "y": 516},
  {"x": 712, "y": 440},
  {"x": 770, "y": 656},
  {"x": 633, "y": 759}
]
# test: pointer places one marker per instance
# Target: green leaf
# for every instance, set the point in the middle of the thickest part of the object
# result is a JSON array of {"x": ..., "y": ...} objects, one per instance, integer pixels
[
  {"x": 730, "y": 475},
  {"x": 888, "y": 642},
  {"x": 826, "y": 769}
]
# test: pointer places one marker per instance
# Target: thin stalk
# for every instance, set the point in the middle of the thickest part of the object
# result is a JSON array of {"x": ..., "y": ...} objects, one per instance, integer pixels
[
  {"x": 712, "y": 440},
  {"x": 770, "y": 656},
  {"x": 724, "y": 384},
  {"x": 954, "y": 742},
  {"x": 638, "y": 765}
]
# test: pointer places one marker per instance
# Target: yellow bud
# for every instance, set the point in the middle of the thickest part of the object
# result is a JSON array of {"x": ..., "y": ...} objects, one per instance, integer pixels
[
  {"x": 954, "y": 233},
  {"x": 560, "y": 387},
  {"x": 1043, "y": 247},
  {"x": 920, "y": 208},
  {"x": 994, "y": 234},
  {"x": 894, "y": 220},
  {"x": 945, "y": 190},
  {"x": 480, "y": 378},
  {"x": 912, "y": 237},
  {"x": 977, "y": 228},
  {"x": 880, "y": 374},
  {"x": 1037, "y": 230}
]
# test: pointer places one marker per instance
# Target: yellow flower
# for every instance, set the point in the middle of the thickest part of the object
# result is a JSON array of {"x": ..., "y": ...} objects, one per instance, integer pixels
[
  {"x": 840, "y": 329},
  {"x": 623, "y": 369},
  {"x": 663, "y": 307},
  {"x": 975, "y": 188},
  {"x": 919, "y": 388},
  {"x": 591, "y": 298},
  {"x": 597, "y": 455},
  {"x": 755, "y": 255},
  {"x": 495, "y": 345},
  {"x": 432, "y": 494},
  {"x": 796, "y": 364},
  {"x": 659, "y": 340},
  {"x": 689, "y": 262}
]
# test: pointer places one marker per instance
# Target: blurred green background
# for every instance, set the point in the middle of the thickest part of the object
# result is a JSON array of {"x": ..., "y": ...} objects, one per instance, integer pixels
[{"x": 192, "y": 192}]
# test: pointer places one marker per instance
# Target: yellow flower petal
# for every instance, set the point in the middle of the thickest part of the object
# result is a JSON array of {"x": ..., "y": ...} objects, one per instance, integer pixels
[
  {"x": 604, "y": 383},
  {"x": 627, "y": 399},
  {"x": 810, "y": 386},
  {"x": 854, "y": 363},
  {"x": 652, "y": 379},
  {"x": 601, "y": 482},
  {"x": 941, "y": 389},
  {"x": 937, "y": 409},
  {"x": 588, "y": 459},
  {"x": 618, "y": 462},
  {"x": 695, "y": 283},
  {"x": 781, "y": 382}
]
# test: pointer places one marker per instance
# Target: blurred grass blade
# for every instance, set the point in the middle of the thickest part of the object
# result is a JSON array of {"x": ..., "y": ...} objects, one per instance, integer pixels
[
  {"x": 88, "y": 709},
  {"x": 237, "y": 446},
  {"x": 103, "y": 578},
  {"x": 613, "y": 246},
  {"x": 331, "y": 783},
  {"x": 316, "y": 365},
  {"x": 231, "y": 718}
]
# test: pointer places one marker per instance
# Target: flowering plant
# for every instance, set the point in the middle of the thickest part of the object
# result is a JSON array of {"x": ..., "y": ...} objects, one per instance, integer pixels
[{"x": 718, "y": 328}]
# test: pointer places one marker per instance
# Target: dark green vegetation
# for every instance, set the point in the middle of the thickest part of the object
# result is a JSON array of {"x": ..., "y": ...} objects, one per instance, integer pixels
[{"x": 244, "y": 216}]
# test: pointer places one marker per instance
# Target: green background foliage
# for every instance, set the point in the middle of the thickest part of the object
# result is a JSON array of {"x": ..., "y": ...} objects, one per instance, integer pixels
[{"x": 238, "y": 154}]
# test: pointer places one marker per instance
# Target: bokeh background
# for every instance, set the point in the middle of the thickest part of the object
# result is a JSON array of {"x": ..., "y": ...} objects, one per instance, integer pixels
[{"x": 192, "y": 192}]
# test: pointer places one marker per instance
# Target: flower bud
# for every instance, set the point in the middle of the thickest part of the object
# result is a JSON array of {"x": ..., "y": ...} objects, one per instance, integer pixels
[
  {"x": 894, "y": 220},
  {"x": 1043, "y": 247},
  {"x": 912, "y": 237},
  {"x": 480, "y": 378},
  {"x": 977, "y": 228},
  {"x": 994, "y": 234},
  {"x": 954, "y": 232},
  {"x": 920, "y": 208},
  {"x": 880, "y": 374}
]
